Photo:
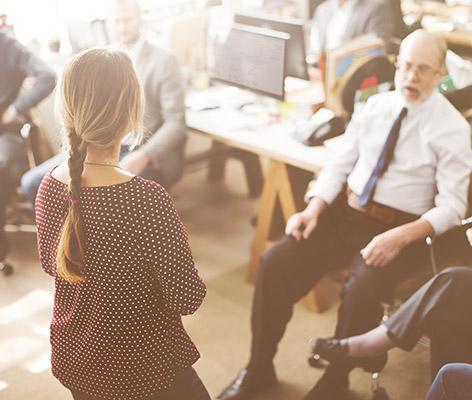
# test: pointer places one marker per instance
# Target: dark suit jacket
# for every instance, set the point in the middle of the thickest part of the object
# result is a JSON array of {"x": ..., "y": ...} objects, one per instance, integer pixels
[
  {"x": 368, "y": 16},
  {"x": 18, "y": 63}
]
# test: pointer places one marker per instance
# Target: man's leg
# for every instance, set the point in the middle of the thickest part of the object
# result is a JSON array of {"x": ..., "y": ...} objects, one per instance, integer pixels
[
  {"x": 441, "y": 308},
  {"x": 453, "y": 382},
  {"x": 31, "y": 180},
  {"x": 287, "y": 272},
  {"x": 169, "y": 173},
  {"x": 360, "y": 310},
  {"x": 13, "y": 161}
]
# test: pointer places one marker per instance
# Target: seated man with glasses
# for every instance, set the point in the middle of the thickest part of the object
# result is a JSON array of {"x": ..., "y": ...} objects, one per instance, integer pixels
[{"x": 403, "y": 175}]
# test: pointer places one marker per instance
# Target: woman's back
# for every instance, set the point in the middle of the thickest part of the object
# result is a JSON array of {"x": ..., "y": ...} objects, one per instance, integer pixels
[{"x": 118, "y": 334}]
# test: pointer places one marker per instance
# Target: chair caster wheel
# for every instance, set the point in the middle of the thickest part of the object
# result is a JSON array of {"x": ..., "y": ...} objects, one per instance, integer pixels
[
  {"x": 380, "y": 394},
  {"x": 6, "y": 269}
]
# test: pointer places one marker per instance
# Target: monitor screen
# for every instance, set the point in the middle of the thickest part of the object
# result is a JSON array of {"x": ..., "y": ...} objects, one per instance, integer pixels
[
  {"x": 296, "y": 52},
  {"x": 250, "y": 58}
]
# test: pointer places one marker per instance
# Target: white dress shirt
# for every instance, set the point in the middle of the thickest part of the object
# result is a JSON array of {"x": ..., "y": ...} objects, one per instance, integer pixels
[{"x": 429, "y": 173}]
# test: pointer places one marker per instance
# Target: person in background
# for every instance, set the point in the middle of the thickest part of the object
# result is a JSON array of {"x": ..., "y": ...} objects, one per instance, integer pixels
[
  {"x": 17, "y": 64},
  {"x": 118, "y": 252},
  {"x": 161, "y": 156},
  {"x": 402, "y": 175},
  {"x": 337, "y": 21}
]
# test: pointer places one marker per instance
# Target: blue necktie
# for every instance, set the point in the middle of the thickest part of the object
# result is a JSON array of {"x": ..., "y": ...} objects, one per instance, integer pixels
[{"x": 384, "y": 160}]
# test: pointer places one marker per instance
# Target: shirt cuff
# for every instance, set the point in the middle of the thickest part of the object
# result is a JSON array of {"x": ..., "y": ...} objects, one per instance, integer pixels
[
  {"x": 441, "y": 219},
  {"x": 324, "y": 191}
]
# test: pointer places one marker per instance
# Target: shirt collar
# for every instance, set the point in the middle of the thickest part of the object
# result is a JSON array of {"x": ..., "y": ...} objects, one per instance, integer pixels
[{"x": 416, "y": 106}]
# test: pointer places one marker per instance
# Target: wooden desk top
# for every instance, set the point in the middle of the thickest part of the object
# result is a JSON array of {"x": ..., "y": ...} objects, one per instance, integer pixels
[{"x": 272, "y": 140}]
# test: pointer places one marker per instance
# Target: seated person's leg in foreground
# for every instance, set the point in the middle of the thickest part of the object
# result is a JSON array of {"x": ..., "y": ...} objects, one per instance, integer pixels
[
  {"x": 445, "y": 301},
  {"x": 453, "y": 382}
]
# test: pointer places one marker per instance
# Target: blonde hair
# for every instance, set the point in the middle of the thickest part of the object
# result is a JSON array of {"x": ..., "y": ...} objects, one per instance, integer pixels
[{"x": 100, "y": 101}]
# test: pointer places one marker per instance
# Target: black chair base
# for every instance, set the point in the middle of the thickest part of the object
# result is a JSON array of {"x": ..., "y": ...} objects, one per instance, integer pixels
[{"x": 380, "y": 394}]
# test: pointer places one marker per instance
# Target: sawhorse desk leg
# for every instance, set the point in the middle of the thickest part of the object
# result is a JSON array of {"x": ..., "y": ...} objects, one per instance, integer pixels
[{"x": 282, "y": 196}]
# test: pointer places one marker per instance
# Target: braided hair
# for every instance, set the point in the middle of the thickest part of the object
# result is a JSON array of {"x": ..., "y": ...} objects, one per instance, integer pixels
[{"x": 70, "y": 261}]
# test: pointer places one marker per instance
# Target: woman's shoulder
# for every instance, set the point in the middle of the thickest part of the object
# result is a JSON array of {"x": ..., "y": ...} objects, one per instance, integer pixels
[{"x": 151, "y": 190}]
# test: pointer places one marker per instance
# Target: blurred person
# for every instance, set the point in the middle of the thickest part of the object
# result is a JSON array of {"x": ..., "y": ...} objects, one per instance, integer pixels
[
  {"x": 18, "y": 63},
  {"x": 337, "y": 21},
  {"x": 161, "y": 156},
  {"x": 119, "y": 254},
  {"x": 402, "y": 175}
]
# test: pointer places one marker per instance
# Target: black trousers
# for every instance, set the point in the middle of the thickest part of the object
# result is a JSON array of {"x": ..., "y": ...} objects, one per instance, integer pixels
[
  {"x": 291, "y": 268},
  {"x": 187, "y": 385},
  {"x": 441, "y": 308},
  {"x": 13, "y": 162}
]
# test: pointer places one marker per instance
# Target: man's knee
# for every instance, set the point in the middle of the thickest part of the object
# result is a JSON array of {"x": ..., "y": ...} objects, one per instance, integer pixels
[
  {"x": 455, "y": 378},
  {"x": 365, "y": 285},
  {"x": 29, "y": 185},
  {"x": 455, "y": 273},
  {"x": 277, "y": 258}
]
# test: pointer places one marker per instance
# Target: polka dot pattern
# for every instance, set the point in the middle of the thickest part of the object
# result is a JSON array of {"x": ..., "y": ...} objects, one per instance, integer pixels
[{"x": 119, "y": 335}]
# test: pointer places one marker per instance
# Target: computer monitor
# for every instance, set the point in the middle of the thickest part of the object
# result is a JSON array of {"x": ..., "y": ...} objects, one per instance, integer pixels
[
  {"x": 296, "y": 52},
  {"x": 251, "y": 58}
]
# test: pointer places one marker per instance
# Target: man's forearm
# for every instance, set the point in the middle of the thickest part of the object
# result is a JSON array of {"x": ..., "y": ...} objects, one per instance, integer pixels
[
  {"x": 316, "y": 206},
  {"x": 413, "y": 231}
]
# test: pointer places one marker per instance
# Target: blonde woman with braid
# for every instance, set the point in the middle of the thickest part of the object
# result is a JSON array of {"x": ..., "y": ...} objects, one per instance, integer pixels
[{"x": 117, "y": 249}]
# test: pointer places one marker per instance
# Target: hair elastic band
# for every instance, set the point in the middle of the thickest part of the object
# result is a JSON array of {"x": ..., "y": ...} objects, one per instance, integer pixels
[{"x": 74, "y": 202}]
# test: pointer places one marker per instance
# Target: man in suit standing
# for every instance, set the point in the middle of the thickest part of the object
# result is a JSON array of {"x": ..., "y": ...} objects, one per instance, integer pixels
[
  {"x": 403, "y": 175},
  {"x": 337, "y": 21},
  {"x": 161, "y": 157},
  {"x": 17, "y": 64}
]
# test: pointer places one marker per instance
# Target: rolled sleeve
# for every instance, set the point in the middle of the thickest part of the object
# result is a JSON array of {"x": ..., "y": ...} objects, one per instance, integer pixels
[{"x": 454, "y": 165}]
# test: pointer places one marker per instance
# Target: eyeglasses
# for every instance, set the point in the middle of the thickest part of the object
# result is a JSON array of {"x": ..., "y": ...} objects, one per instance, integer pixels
[{"x": 422, "y": 70}]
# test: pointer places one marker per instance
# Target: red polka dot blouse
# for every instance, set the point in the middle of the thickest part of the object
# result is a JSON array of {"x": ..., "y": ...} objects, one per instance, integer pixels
[{"x": 118, "y": 335}]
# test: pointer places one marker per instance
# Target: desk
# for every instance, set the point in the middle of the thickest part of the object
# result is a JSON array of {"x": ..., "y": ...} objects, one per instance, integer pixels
[{"x": 291, "y": 167}]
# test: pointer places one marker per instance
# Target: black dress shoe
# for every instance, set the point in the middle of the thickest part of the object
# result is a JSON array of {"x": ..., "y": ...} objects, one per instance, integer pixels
[
  {"x": 330, "y": 349},
  {"x": 337, "y": 350},
  {"x": 247, "y": 385},
  {"x": 331, "y": 386}
]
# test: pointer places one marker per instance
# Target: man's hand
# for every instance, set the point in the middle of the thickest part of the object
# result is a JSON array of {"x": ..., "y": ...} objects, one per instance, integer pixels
[
  {"x": 10, "y": 116},
  {"x": 382, "y": 249},
  {"x": 135, "y": 162},
  {"x": 302, "y": 224},
  {"x": 468, "y": 233}
]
